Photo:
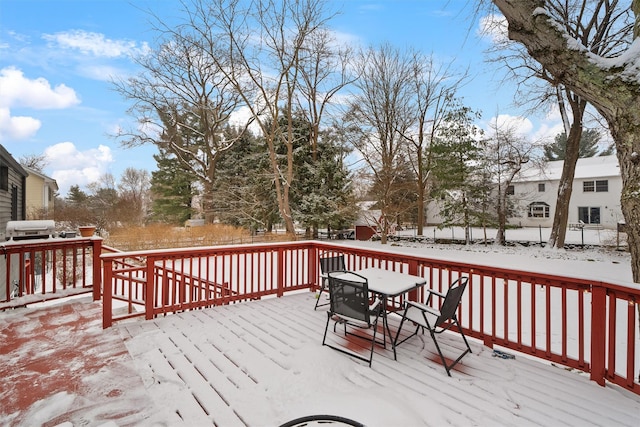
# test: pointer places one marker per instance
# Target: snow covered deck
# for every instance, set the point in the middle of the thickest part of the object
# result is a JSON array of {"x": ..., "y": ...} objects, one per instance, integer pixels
[{"x": 261, "y": 363}]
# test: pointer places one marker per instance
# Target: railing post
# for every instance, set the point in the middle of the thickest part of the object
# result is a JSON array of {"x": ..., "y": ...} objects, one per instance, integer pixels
[
  {"x": 148, "y": 290},
  {"x": 413, "y": 269},
  {"x": 97, "y": 270},
  {"x": 280, "y": 272},
  {"x": 598, "y": 333},
  {"x": 312, "y": 268},
  {"x": 107, "y": 295}
]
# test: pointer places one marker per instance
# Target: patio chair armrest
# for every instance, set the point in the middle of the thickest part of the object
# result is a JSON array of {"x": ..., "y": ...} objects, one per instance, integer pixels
[
  {"x": 436, "y": 293},
  {"x": 422, "y": 307}
]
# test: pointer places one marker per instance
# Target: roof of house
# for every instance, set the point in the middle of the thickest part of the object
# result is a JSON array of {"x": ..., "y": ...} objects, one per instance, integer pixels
[
  {"x": 44, "y": 177},
  {"x": 587, "y": 167},
  {"x": 7, "y": 157}
]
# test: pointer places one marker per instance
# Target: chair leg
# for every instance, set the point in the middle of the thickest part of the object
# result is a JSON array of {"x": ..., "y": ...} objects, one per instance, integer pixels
[
  {"x": 395, "y": 341},
  {"x": 373, "y": 342},
  {"x": 322, "y": 289},
  {"x": 455, "y": 362},
  {"x": 324, "y": 338},
  {"x": 444, "y": 362}
]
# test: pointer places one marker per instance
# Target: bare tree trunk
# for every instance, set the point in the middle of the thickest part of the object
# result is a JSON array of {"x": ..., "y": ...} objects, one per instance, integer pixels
[
  {"x": 629, "y": 159},
  {"x": 565, "y": 186},
  {"x": 421, "y": 191},
  {"x": 502, "y": 218}
]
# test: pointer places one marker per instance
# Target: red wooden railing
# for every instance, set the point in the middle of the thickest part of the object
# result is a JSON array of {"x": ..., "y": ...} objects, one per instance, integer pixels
[
  {"x": 45, "y": 269},
  {"x": 583, "y": 324}
]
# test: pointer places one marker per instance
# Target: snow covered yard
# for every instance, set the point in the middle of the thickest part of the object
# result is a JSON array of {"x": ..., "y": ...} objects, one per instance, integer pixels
[{"x": 261, "y": 363}]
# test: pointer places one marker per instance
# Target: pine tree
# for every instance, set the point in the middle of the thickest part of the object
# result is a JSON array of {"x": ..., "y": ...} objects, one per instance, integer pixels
[
  {"x": 244, "y": 189},
  {"x": 457, "y": 158},
  {"x": 171, "y": 189},
  {"x": 588, "y": 145},
  {"x": 323, "y": 191}
]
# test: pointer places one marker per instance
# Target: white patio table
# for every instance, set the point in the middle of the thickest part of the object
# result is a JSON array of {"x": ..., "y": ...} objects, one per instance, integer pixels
[{"x": 390, "y": 284}]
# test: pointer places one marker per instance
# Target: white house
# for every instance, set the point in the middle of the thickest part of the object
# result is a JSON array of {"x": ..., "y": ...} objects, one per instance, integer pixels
[{"x": 595, "y": 198}]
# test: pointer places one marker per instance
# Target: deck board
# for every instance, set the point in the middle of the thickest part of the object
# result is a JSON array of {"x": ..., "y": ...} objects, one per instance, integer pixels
[
  {"x": 268, "y": 339},
  {"x": 262, "y": 363}
]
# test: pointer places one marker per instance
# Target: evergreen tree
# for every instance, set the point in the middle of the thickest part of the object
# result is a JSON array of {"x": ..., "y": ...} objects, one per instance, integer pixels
[
  {"x": 323, "y": 191},
  {"x": 171, "y": 190},
  {"x": 588, "y": 145},
  {"x": 244, "y": 189},
  {"x": 457, "y": 156}
]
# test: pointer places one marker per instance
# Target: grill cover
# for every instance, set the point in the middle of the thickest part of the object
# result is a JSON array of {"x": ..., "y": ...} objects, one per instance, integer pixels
[{"x": 36, "y": 229}]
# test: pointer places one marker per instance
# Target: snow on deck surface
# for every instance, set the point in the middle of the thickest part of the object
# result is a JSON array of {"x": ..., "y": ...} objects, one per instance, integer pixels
[{"x": 261, "y": 363}]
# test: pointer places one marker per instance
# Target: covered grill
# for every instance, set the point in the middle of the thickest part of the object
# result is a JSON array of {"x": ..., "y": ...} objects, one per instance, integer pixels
[{"x": 36, "y": 229}]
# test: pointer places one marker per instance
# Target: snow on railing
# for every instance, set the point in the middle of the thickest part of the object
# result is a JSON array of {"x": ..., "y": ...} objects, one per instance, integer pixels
[
  {"x": 586, "y": 325},
  {"x": 44, "y": 269}
]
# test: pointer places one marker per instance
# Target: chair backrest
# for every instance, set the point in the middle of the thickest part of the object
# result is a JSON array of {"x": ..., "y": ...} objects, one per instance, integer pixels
[
  {"x": 332, "y": 263},
  {"x": 452, "y": 300},
  {"x": 349, "y": 296}
]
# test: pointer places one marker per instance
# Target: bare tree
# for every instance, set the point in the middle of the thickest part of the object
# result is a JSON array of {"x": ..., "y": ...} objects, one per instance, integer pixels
[
  {"x": 612, "y": 86},
  {"x": 133, "y": 191},
  {"x": 506, "y": 154},
  {"x": 183, "y": 103},
  {"x": 265, "y": 44},
  {"x": 324, "y": 71},
  {"x": 377, "y": 119},
  {"x": 599, "y": 28},
  {"x": 433, "y": 95},
  {"x": 34, "y": 161}
]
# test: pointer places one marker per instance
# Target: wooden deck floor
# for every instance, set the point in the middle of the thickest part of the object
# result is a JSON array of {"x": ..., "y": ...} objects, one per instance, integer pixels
[{"x": 262, "y": 364}]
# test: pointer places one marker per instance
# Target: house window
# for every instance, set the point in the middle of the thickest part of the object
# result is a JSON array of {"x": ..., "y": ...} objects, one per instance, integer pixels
[
  {"x": 541, "y": 188},
  {"x": 600, "y": 186},
  {"x": 4, "y": 178},
  {"x": 589, "y": 215},
  {"x": 14, "y": 203},
  {"x": 538, "y": 210},
  {"x": 511, "y": 190}
]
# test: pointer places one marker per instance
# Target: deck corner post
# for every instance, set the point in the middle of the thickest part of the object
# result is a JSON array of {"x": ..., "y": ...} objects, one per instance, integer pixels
[
  {"x": 97, "y": 270},
  {"x": 149, "y": 289},
  {"x": 107, "y": 308}
]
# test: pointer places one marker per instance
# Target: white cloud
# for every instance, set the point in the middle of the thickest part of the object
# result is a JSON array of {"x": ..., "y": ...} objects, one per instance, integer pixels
[
  {"x": 74, "y": 167},
  {"x": 95, "y": 44},
  {"x": 521, "y": 125},
  {"x": 20, "y": 91},
  {"x": 16, "y": 128},
  {"x": 494, "y": 28}
]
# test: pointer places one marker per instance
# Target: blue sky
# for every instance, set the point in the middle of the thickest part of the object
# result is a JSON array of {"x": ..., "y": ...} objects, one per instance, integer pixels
[{"x": 57, "y": 58}]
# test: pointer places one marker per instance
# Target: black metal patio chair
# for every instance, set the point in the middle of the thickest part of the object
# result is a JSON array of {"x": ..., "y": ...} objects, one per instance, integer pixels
[
  {"x": 351, "y": 307},
  {"x": 437, "y": 321},
  {"x": 327, "y": 265}
]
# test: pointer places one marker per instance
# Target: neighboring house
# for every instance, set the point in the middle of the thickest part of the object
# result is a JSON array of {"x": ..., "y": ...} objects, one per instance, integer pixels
[
  {"x": 12, "y": 191},
  {"x": 40, "y": 194},
  {"x": 12, "y": 208},
  {"x": 595, "y": 199}
]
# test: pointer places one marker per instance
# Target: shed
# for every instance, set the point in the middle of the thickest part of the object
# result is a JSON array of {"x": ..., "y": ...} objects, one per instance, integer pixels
[{"x": 366, "y": 225}]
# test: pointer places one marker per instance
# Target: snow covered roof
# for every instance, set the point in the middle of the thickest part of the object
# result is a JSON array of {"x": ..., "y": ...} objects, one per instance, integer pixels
[{"x": 588, "y": 167}]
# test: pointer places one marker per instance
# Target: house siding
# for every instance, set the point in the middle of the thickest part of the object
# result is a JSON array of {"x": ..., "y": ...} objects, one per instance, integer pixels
[
  {"x": 40, "y": 190},
  {"x": 593, "y": 169},
  {"x": 527, "y": 191},
  {"x": 16, "y": 179}
]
